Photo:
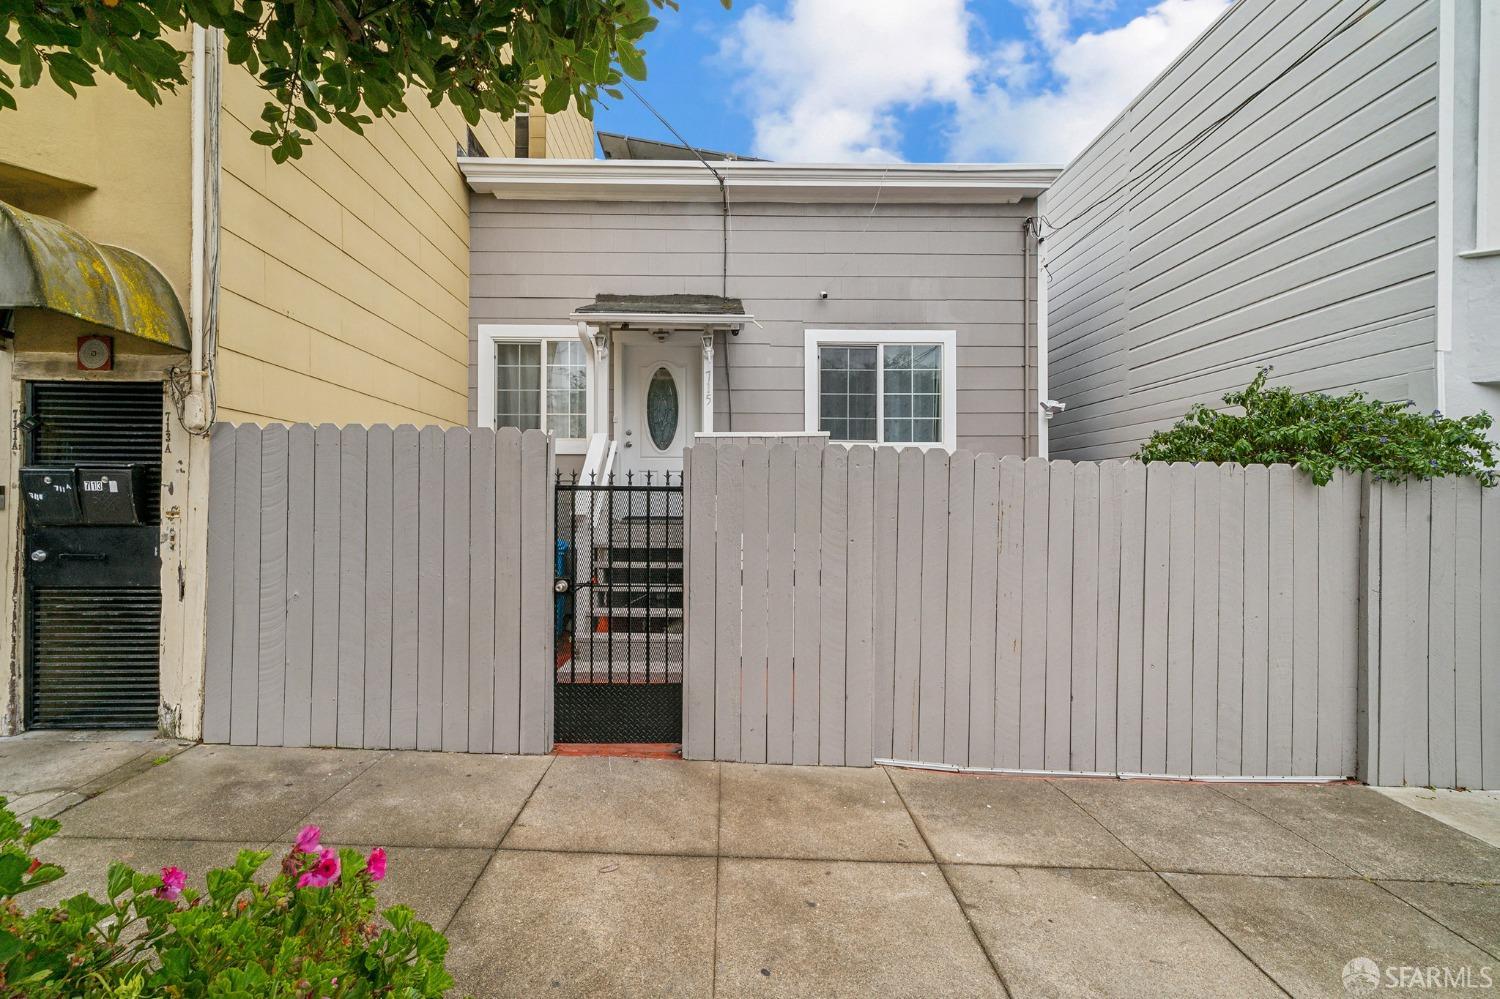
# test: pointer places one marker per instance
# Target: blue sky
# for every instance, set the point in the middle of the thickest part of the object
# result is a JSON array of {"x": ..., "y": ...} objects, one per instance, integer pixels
[{"x": 916, "y": 80}]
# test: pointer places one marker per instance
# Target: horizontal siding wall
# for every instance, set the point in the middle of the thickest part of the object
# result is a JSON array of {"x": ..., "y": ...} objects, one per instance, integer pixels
[
  {"x": 366, "y": 590},
  {"x": 1430, "y": 698},
  {"x": 997, "y": 613},
  {"x": 890, "y": 266},
  {"x": 1300, "y": 232}
]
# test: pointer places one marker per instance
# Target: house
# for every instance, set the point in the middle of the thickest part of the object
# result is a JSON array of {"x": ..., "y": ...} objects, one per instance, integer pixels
[
  {"x": 330, "y": 289},
  {"x": 1311, "y": 186},
  {"x": 890, "y": 304}
]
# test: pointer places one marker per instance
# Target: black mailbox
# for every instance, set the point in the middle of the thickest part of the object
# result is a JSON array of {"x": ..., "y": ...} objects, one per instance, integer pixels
[
  {"x": 112, "y": 494},
  {"x": 51, "y": 495}
]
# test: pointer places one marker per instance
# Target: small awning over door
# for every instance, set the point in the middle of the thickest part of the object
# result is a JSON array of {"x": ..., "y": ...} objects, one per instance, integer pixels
[{"x": 46, "y": 265}]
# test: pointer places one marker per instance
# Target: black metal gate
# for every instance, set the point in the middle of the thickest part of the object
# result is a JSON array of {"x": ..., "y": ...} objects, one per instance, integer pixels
[
  {"x": 619, "y": 609},
  {"x": 91, "y": 489}
]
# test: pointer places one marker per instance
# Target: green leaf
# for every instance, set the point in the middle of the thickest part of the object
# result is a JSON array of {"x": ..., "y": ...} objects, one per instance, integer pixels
[
  {"x": 632, "y": 62},
  {"x": 120, "y": 878}
]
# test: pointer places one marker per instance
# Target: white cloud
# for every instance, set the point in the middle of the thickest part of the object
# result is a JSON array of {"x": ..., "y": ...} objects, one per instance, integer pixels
[
  {"x": 839, "y": 80},
  {"x": 1096, "y": 74},
  {"x": 827, "y": 81}
]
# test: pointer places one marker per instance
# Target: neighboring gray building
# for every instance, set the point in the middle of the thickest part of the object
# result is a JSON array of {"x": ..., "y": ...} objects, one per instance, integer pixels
[
  {"x": 1311, "y": 185},
  {"x": 820, "y": 278}
]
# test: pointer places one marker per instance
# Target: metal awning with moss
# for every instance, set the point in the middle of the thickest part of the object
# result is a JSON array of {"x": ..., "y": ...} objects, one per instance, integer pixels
[
  {"x": 46, "y": 265},
  {"x": 659, "y": 311}
]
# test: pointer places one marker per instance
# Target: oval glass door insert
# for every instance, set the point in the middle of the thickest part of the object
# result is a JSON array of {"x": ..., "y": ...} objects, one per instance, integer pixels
[{"x": 662, "y": 409}]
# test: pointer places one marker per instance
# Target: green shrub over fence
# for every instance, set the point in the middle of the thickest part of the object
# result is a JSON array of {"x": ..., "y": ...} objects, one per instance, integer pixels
[
  {"x": 311, "y": 930},
  {"x": 1321, "y": 434}
]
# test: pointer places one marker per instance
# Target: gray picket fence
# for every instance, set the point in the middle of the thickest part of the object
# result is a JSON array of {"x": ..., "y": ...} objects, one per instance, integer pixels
[
  {"x": 850, "y": 605},
  {"x": 381, "y": 587},
  {"x": 1429, "y": 693}
]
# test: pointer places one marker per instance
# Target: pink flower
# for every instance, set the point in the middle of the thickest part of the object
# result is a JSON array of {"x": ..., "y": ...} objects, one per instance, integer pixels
[
  {"x": 307, "y": 840},
  {"x": 172, "y": 881},
  {"x": 375, "y": 866},
  {"x": 325, "y": 873}
]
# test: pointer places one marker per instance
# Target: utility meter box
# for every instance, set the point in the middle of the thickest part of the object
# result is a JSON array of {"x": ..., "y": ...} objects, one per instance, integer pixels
[
  {"x": 51, "y": 495},
  {"x": 112, "y": 494}
]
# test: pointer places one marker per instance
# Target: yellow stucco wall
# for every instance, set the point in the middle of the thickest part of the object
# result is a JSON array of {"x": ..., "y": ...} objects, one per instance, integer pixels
[
  {"x": 344, "y": 282},
  {"x": 109, "y": 165}
]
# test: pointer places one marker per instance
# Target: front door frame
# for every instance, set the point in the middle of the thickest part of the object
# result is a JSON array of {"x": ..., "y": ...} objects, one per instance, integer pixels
[{"x": 603, "y": 338}]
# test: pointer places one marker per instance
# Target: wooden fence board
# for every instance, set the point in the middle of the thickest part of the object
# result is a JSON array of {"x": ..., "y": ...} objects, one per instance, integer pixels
[
  {"x": 537, "y": 543},
  {"x": 379, "y": 610},
  {"x": 859, "y": 640},
  {"x": 430, "y": 630},
  {"x": 1231, "y": 623},
  {"x": 1280, "y": 638},
  {"x": 807, "y": 555},
  {"x": 1442, "y": 750},
  {"x": 755, "y": 641},
  {"x": 1035, "y": 598},
  {"x": 1205, "y": 609},
  {"x": 1181, "y": 594},
  {"x": 219, "y": 596},
  {"x": 960, "y": 570},
  {"x": 731, "y": 478},
  {"x": 405, "y": 594},
  {"x": 832, "y": 655},
  {"x": 244, "y": 695},
  {"x": 1059, "y": 680},
  {"x": 700, "y": 604},
  {"x": 1305, "y": 625},
  {"x": 982, "y": 612},
  {"x": 1107, "y": 629},
  {"x": 480, "y": 736},
  {"x": 1155, "y": 615},
  {"x": 1468, "y": 694},
  {"x": 1418, "y": 568},
  {"x": 781, "y": 609},
  {"x": 1084, "y": 694},
  {"x": 271, "y": 680},
  {"x": 1257, "y": 592},
  {"x": 883, "y": 690},
  {"x": 1394, "y": 625},
  {"x": 934, "y": 597},
  {"x": 1129, "y": 686},
  {"x": 297, "y": 727},
  {"x": 1489, "y": 637},
  {"x": 509, "y": 531},
  {"x": 456, "y": 525},
  {"x": 907, "y": 678},
  {"x": 351, "y": 668},
  {"x": 1010, "y": 589}
]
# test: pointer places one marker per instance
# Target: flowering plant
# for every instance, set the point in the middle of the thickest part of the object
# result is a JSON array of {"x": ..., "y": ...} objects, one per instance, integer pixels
[{"x": 310, "y": 931}]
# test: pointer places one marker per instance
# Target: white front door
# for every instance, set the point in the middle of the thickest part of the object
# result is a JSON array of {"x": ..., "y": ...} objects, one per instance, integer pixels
[{"x": 660, "y": 403}]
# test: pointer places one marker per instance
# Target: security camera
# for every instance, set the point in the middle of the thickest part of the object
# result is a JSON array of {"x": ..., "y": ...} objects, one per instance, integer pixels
[
  {"x": 1051, "y": 407},
  {"x": 822, "y": 294}
]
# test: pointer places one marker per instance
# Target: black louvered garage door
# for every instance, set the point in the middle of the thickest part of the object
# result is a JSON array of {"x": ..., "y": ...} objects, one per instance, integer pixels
[{"x": 93, "y": 601}]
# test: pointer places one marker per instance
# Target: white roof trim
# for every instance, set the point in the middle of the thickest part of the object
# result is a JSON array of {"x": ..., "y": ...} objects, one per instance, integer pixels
[{"x": 674, "y": 180}]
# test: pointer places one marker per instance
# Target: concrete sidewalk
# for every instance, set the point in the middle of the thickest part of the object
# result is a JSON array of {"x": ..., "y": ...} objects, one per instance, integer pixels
[{"x": 575, "y": 876}]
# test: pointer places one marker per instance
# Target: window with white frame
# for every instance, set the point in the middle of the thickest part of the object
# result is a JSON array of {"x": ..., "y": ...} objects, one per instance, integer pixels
[
  {"x": 882, "y": 386},
  {"x": 535, "y": 378}
]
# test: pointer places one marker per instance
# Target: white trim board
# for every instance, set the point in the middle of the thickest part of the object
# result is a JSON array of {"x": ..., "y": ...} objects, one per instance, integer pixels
[
  {"x": 489, "y": 334},
  {"x": 745, "y": 180},
  {"x": 947, "y": 339}
]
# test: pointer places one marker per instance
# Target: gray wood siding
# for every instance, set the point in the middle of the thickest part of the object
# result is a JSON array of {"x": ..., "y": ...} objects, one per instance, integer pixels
[
  {"x": 368, "y": 590},
  {"x": 890, "y": 266},
  {"x": 983, "y": 613},
  {"x": 1300, "y": 232}
]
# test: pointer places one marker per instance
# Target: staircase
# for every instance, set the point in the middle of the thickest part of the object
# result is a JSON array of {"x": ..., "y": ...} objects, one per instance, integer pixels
[{"x": 628, "y": 604}]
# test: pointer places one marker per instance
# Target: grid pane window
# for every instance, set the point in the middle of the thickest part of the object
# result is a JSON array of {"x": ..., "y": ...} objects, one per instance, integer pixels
[
  {"x": 542, "y": 385},
  {"x": 518, "y": 396},
  {"x": 913, "y": 393},
  {"x": 847, "y": 392},
  {"x": 567, "y": 389}
]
